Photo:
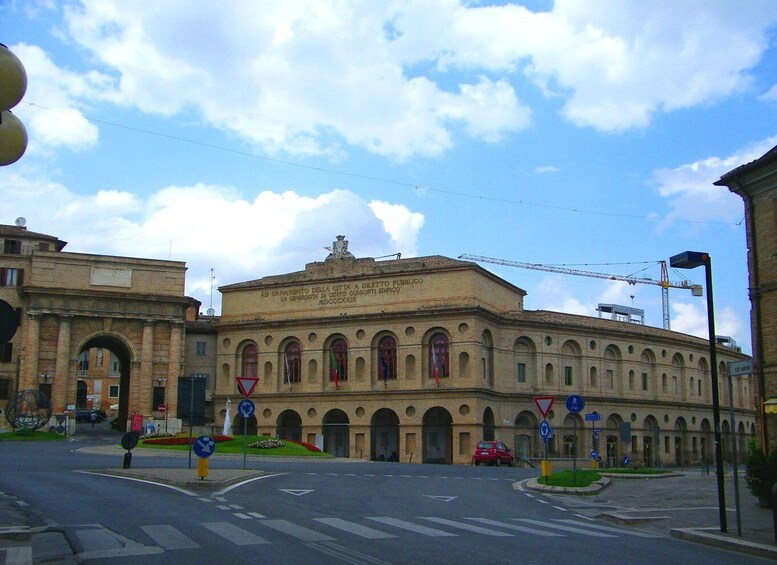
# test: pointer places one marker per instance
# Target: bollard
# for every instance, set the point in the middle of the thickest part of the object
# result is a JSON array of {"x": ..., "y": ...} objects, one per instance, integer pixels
[
  {"x": 127, "y": 460},
  {"x": 202, "y": 468},
  {"x": 774, "y": 509}
]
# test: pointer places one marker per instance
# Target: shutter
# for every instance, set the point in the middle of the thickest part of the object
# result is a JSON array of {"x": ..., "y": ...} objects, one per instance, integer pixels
[
  {"x": 2, "y": 276},
  {"x": 19, "y": 277}
]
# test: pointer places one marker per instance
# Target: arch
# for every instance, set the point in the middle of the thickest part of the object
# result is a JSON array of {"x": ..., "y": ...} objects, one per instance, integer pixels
[
  {"x": 384, "y": 435},
  {"x": 337, "y": 360},
  {"x": 524, "y": 361},
  {"x": 681, "y": 454},
  {"x": 248, "y": 355},
  {"x": 611, "y": 367},
  {"x": 288, "y": 425},
  {"x": 437, "y": 436},
  {"x": 291, "y": 361},
  {"x": 525, "y": 431},
  {"x": 387, "y": 359},
  {"x": 239, "y": 423},
  {"x": 122, "y": 349},
  {"x": 489, "y": 426},
  {"x": 571, "y": 357},
  {"x": 438, "y": 356},
  {"x": 650, "y": 441},
  {"x": 335, "y": 427}
]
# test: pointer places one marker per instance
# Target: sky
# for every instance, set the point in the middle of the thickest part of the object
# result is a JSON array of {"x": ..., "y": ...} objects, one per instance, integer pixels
[{"x": 243, "y": 137}]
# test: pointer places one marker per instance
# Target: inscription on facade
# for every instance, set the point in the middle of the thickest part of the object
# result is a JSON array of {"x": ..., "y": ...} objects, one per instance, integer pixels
[
  {"x": 106, "y": 276},
  {"x": 346, "y": 293}
]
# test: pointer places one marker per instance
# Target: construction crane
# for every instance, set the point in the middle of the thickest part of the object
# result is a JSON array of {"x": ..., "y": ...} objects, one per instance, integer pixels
[{"x": 664, "y": 282}]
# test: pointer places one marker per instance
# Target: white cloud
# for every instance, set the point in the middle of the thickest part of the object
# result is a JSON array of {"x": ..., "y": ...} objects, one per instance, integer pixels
[
  {"x": 309, "y": 77},
  {"x": 692, "y": 319},
  {"x": 770, "y": 95},
  {"x": 213, "y": 227},
  {"x": 691, "y": 194}
]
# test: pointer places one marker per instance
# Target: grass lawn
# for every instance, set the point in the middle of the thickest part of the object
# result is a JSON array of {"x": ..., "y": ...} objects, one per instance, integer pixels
[
  {"x": 581, "y": 478},
  {"x": 236, "y": 445},
  {"x": 31, "y": 435},
  {"x": 637, "y": 471}
]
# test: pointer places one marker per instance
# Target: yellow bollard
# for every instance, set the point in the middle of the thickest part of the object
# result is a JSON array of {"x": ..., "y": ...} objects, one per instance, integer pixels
[
  {"x": 546, "y": 468},
  {"x": 594, "y": 464},
  {"x": 202, "y": 468}
]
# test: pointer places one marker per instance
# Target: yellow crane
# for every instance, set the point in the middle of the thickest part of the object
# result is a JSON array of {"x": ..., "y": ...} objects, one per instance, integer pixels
[{"x": 664, "y": 282}]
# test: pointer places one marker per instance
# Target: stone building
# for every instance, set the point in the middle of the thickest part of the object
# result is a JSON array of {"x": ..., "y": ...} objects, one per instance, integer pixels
[
  {"x": 418, "y": 359},
  {"x": 756, "y": 183},
  {"x": 71, "y": 306}
]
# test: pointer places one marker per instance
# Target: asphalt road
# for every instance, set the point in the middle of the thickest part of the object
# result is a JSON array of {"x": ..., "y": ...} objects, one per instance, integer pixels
[{"x": 316, "y": 512}]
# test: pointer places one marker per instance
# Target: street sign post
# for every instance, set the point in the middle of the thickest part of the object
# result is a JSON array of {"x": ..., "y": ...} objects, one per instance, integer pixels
[
  {"x": 203, "y": 446},
  {"x": 544, "y": 404},
  {"x": 246, "y": 409},
  {"x": 575, "y": 404}
]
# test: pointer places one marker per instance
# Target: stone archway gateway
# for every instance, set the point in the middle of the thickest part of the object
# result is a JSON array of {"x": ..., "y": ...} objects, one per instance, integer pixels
[{"x": 134, "y": 308}]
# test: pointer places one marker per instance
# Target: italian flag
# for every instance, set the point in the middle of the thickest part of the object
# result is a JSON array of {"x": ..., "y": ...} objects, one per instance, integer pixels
[{"x": 333, "y": 368}]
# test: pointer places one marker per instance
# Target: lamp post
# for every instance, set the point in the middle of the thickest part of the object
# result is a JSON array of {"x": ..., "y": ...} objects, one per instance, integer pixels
[{"x": 691, "y": 260}]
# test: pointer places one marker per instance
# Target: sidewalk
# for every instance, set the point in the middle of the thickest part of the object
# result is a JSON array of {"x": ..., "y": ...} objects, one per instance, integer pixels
[{"x": 683, "y": 505}]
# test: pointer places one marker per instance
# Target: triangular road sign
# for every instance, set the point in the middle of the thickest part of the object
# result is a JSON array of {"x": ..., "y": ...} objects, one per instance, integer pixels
[
  {"x": 544, "y": 403},
  {"x": 246, "y": 385}
]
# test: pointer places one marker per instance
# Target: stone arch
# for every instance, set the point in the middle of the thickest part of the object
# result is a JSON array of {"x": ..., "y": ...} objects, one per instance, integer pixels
[
  {"x": 437, "y": 436},
  {"x": 288, "y": 425},
  {"x": 122, "y": 348},
  {"x": 526, "y": 445},
  {"x": 524, "y": 360},
  {"x": 336, "y": 430},
  {"x": 571, "y": 364},
  {"x": 384, "y": 435},
  {"x": 489, "y": 425}
]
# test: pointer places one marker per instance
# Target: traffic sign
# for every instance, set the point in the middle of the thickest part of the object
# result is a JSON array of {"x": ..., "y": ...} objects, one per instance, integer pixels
[
  {"x": 546, "y": 430},
  {"x": 544, "y": 403},
  {"x": 593, "y": 417},
  {"x": 626, "y": 460},
  {"x": 204, "y": 446},
  {"x": 594, "y": 455},
  {"x": 246, "y": 385},
  {"x": 739, "y": 368},
  {"x": 575, "y": 403},
  {"x": 162, "y": 408},
  {"x": 246, "y": 408}
]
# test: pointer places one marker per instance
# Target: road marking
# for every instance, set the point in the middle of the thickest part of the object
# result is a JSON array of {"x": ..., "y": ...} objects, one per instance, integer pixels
[
  {"x": 241, "y": 516},
  {"x": 565, "y": 528},
  {"x": 440, "y": 498},
  {"x": 296, "y": 491},
  {"x": 233, "y": 534},
  {"x": 183, "y": 491},
  {"x": 409, "y": 526},
  {"x": 256, "y": 515},
  {"x": 354, "y": 528},
  {"x": 561, "y": 508},
  {"x": 19, "y": 555},
  {"x": 168, "y": 537},
  {"x": 515, "y": 527},
  {"x": 467, "y": 527},
  {"x": 241, "y": 483},
  {"x": 295, "y": 530},
  {"x": 608, "y": 529}
]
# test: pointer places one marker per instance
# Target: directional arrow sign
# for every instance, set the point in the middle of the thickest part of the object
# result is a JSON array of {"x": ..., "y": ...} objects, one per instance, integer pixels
[
  {"x": 247, "y": 385},
  {"x": 295, "y": 491},
  {"x": 544, "y": 403},
  {"x": 204, "y": 446},
  {"x": 246, "y": 408}
]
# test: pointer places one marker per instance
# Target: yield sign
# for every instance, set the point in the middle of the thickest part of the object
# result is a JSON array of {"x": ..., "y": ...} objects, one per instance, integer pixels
[
  {"x": 246, "y": 385},
  {"x": 544, "y": 403}
]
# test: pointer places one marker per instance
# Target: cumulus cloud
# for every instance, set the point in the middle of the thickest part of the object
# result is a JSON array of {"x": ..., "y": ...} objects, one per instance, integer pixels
[
  {"x": 690, "y": 191},
  {"x": 211, "y": 226},
  {"x": 309, "y": 77},
  {"x": 690, "y": 318}
]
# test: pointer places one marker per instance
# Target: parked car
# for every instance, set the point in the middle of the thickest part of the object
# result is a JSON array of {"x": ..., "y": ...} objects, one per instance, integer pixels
[
  {"x": 84, "y": 415},
  {"x": 493, "y": 453}
]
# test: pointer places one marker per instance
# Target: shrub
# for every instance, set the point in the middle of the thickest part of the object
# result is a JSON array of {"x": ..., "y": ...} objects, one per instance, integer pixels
[
  {"x": 306, "y": 445},
  {"x": 761, "y": 474},
  {"x": 179, "y": 440},
  {"x": 267, "y": 444}
]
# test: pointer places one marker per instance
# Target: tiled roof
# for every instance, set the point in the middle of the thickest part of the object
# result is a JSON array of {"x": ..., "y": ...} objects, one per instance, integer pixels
[
  {"x": 766, "y": 158},
  {"x": 24, "y": 233}
]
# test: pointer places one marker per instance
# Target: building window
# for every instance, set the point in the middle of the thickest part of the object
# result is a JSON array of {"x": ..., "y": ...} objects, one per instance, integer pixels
[
  {"x": 387, "y": 358},
  {"x": 338, "y": 361},
  {"x": 201, "y": 348},
  {"x": 439, "y": 367},
  {"x": 248, "y": 368},
  {"x": 674, "y": 384},
  {"x": 113, "y": 391},
  {"x": 663, "y": 383},
  {"x": 521, "y": 369},
  {"x": 292, "y": 363},
  {"x": 11, "y": 277},
  {"x": 610, "y": 379},
  {"x": 568, "y": 376},
  {"x": 6, "y": 353},
  {"x": 5, "y": 388},
  {"x": 644, "y": 381},
  {"x": 12, "y": 246},
  {"x": 698, "y": 384},
  {"x": 158, "y": 398}
]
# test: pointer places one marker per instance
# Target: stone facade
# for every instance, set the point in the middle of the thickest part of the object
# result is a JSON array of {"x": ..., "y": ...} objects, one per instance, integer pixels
[
  {"x": 419, "y": 359},
  {"x": 756, "y": 183},
  {"x": 70, "y": 303}
]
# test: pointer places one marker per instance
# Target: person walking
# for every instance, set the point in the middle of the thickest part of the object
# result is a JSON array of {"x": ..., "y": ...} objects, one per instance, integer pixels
[{"x": 93, "y": 418}]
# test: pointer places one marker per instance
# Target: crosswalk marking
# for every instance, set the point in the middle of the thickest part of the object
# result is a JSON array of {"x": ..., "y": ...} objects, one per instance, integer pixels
[
  {"x": 168, "y": 537},
  {"x": 516, "y": 527},
  {"x": 409, "y": 526},
  {"x": 354, "y": 528},
  {"x": 608, "y": 529},
  {"x": 294, "y": 530},
  {"x": 565, "y": 528},
  {"x": 468, "y": 527},
  {"x": 232, "y": 533}
]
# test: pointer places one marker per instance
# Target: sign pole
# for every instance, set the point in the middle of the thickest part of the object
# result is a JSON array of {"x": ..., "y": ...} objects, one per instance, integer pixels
[{"x": 245, "y": 440}]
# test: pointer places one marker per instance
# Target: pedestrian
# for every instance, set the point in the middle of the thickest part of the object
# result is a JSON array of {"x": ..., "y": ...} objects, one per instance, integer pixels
[{"x": 93, "y": 418}]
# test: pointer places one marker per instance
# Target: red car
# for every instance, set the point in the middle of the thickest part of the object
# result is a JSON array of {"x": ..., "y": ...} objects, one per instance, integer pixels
[{"x": 493, "y": 453}]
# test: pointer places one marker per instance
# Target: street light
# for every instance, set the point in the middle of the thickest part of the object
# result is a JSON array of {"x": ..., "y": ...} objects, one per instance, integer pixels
[{"x": 691, "y": 260}]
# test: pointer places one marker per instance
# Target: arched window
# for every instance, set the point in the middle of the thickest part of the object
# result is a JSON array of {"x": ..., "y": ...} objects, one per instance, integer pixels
[
  {"x": 338, "y": 361},
  {"x": 292, "y": 363},
  {"x": 249, "y": 361},
  {"x": 439, "y": 364},
  {"x": 387, "y": 358}
]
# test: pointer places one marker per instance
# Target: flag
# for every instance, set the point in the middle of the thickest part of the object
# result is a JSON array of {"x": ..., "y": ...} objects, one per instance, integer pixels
[
  {"x": 436, "y": 369},
  {"x": 385, "y": 367},
  {"x": 333, "y": 368},
  {"x": 288, "y": 369}
]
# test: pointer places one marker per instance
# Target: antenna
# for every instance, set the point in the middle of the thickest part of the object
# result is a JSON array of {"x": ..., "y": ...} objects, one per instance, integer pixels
[
  {"x": 211, "y": 311},
  {"x": 21, "y": 222}
]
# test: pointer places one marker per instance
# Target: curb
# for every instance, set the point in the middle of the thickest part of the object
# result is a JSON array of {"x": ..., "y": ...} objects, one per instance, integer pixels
[
  {"x": 711, "y": 536},
  {"x": 593, "y": 488}
]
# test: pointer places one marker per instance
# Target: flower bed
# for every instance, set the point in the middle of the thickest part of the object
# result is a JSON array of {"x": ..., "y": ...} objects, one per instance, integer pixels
[
  {"x": 306, "y": 445},
  {"x": 181, "y": 440},
  {"x": 267, "y": 444}
]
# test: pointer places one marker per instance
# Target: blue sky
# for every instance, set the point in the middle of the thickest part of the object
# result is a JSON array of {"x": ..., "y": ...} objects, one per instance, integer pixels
[{"x": 243, "y": 137}]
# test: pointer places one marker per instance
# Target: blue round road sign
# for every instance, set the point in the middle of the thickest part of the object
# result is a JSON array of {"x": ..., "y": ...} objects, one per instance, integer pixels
[
  {"x": 246, "y": 408},
  {"x": 204, "y": 446},
  {"x": 626, "y": 460},
  {"x": 546, "y": 430},
  {"x": 575, "y": 403}
]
